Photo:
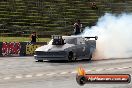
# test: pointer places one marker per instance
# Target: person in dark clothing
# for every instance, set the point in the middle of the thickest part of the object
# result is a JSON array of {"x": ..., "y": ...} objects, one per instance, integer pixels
[
  {"x": 33, "y": 37},
  {"x": 77, "y": 27},
  {"x": 94, "y": 6}
]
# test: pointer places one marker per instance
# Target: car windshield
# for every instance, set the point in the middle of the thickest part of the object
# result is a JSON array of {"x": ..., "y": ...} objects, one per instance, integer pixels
[{"x": 71, "y": 41}]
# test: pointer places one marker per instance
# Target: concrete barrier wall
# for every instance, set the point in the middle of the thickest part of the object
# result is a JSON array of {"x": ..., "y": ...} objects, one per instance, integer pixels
[{"x": 19, "y": 48}]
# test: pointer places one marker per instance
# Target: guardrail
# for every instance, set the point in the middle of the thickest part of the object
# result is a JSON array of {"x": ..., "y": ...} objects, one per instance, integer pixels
[{"x": 19, "y": 48}]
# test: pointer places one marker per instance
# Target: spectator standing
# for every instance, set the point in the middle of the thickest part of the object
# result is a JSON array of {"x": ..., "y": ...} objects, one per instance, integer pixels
[
  {"x": 77, "y": 27},
  {"x": 33, "y": 37},
  {"x": 94, "y": 6}
]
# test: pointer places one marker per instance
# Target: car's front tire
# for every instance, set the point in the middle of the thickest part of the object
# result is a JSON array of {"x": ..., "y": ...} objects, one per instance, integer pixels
[
  {"x": 40, "y": 61},
  {"x": 71, "y": 56}
]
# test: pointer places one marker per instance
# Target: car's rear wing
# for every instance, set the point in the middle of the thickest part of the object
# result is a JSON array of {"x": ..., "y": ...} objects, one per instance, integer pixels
[{"x": 96, "y": 37}]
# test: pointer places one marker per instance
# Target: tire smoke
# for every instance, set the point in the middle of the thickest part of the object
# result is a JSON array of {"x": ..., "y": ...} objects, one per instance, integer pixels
[{"x": 114, "y": 36}]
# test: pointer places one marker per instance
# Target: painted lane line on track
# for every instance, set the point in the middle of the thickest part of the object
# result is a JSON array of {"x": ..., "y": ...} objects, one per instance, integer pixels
[
  {"x": 93, "y": 70},
  {"x": 18, "y": 77},
  {"x": 109, "y": 69},
  {"x": 126, "y": 67},
  {"x": 120, "y": 68},
  {"x": 73, "y": 72},
  {"x": 7, "y": 78},
  {"x": 88, "y": 70},
  {"x": 39, "y": 75},
  {"x": 100, "y": 69},
  {"x": 50, "y": 74},
  {"x": 62, "y": 73},
  {"x": 28, "y": 76}
]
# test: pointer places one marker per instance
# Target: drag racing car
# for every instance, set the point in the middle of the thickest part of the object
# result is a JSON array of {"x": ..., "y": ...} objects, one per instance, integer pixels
[{"x": 68, "y": 48}]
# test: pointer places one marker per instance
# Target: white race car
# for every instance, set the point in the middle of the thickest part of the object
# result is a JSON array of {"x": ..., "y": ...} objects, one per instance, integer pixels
[{"x": 68, "y": 48}]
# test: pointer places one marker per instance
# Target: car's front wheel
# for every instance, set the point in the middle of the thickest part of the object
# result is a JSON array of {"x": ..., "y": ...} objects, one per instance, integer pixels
[
  {"x": 71, "y": 56},
  {"x": 40, "y": 61}
]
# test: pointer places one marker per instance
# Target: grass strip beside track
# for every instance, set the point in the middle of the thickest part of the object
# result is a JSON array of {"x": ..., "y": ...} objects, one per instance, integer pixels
[{"x": 21, "y": 39}]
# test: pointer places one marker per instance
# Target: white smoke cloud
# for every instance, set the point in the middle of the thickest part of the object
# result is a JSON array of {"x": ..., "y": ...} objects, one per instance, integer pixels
[{"x": 114, "y": 36}]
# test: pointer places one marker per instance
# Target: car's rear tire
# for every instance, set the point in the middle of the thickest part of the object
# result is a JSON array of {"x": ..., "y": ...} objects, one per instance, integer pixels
[{"x": 90, "y": 57}]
